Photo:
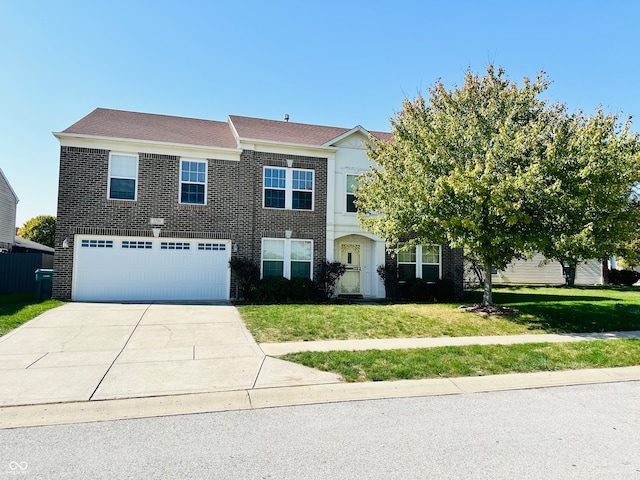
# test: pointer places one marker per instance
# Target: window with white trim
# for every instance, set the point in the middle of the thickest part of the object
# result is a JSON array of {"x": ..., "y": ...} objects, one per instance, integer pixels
[
  {"x": 288, "y": 188},
  {"x": 423, "y": 261},
  {"x": 352, "y": 186},
  {"x": 193, "y": 182},
  {"x": 283, "y": 257},
  {"x": 123, "y": 177}
]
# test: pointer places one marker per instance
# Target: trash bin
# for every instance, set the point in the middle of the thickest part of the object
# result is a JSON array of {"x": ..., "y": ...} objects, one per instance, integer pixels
[{"x": 44, "y": 279}]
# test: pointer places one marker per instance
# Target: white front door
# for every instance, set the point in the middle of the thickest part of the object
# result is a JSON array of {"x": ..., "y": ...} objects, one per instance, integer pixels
[{"x": 351, "y": 282}]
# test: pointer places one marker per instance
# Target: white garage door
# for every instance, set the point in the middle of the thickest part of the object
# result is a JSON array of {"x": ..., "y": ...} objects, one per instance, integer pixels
[{"x": 145, "y": 269}]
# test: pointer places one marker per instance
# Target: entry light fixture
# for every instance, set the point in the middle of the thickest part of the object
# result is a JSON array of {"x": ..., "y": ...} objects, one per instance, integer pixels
[
  {"x": 156, "y": 231},
  {"x": 65, "y": 243},
  {"x": 288, "y": 233},
  {"x": 234, "y": 248}
]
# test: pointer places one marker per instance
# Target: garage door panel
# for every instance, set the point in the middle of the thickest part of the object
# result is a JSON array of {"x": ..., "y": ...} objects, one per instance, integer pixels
[{"x": 103, "y": 273}]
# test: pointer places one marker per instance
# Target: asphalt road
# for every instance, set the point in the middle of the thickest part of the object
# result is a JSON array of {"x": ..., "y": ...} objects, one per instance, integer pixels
[{"x": 577, "y": 432}]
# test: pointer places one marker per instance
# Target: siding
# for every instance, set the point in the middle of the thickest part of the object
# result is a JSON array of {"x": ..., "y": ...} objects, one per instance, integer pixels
[
  {"x": 7, "y": 213},
  {"x": 537, "y": 270}
]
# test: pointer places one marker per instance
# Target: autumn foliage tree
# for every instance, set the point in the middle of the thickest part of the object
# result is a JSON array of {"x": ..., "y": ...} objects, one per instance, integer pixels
[
  {"x": 492, "y": 168},
  {"x": 40, "y": 229}
]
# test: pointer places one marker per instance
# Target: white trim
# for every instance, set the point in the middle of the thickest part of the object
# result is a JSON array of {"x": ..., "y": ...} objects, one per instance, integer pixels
[
  {"x": 180, "y": 182},
  {"x": 357, "y": 128},
  {"x": 135, "y": 146},
  {"x": 346, "y": 193},
  {"x": 286, "y": 267},
  {"x": 135, "y": 192}
]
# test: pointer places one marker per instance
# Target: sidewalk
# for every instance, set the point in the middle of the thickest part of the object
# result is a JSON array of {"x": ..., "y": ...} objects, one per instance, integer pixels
[{"x": 304, "y": 390}]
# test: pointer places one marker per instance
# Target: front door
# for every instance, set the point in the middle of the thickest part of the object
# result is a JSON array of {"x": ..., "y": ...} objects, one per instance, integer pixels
[{"x": 351, "y": 281}]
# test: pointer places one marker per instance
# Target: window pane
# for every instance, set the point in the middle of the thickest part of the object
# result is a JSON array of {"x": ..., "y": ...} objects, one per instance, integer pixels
[
  {"x": 274, "y": 178},
  {"x": 300, "y": 250},
  {"x": 300, "y": 269},
  {"x": 122, "y": 189},
  {"x": 351, "y": 203},
  {"x": 192, "y": 193},
  {"x": 123, "y": 166},
  {"x": 407, "y": 255},
  {"x": 352, "y": 183},
  {"x": 274, "y": 198},
  {"x": 430, "y": 273},
  {"x": 301, "y": 200},
  {"x": 302, "y": 180},
  {"x": 430, "y": 254},
  {"x": 272, "y": 268},
  {"x": 272, "y": 249},
  {"x": 406, "y": 271}
]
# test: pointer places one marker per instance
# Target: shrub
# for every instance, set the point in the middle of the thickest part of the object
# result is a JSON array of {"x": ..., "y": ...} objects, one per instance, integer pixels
[
  {"x": 274, "y": 289},
  {"x": 420, "y": 290},
  {"x": 301, "y": 289},
  {"x": 389, "y": 275},
  {"x": 444, "y": 290},
  {"x": 326, "y": 278},
  {"x": 247, "y": 272},
  {"x": 623, "y": 277}
]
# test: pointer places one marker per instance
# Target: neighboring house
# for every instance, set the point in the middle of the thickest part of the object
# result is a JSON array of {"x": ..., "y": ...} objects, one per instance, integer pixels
[
  {"x": 8, "y": 203},
  {"x": 539, "y": 270},
  {"x": 152, "y": 207}
]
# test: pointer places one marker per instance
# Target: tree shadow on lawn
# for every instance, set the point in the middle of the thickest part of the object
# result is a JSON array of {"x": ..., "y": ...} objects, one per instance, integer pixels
[{"x": 557, "y": 313}]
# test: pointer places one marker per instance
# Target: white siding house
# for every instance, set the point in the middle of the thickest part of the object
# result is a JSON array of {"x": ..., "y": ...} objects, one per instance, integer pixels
[
  {"x": 539, "y": 270},
  {"x": 8, "y": 202}
]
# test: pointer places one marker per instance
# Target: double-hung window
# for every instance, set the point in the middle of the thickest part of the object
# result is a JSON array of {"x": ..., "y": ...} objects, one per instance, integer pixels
[
  {"x": 123, "y": 177},
  {"x": 288, "y": 188},
  {"x": 193, "y": 182},
  {"x": 352, "y": 186},
  {"x": 423, "y": 261},
  {"x": 287, "y": 258}
]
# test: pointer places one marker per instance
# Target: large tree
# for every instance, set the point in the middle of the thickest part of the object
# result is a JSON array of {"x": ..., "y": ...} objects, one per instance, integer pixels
[
  {"x": 592, "y": 165},
  {"x": 40, "y": 229},
  {"x": 464, "y": 168}
]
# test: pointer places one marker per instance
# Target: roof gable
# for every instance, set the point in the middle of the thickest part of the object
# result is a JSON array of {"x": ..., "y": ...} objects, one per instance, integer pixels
[{"x": 4, "y": 180}]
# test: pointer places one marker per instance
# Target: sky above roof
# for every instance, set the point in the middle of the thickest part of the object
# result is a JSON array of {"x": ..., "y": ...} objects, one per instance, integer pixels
[{"x": 331, "y": 63}]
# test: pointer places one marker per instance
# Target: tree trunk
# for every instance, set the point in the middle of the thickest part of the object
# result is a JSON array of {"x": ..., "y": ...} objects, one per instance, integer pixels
[
  {"x": 605, "y": 271},
  {"x": 569, "y": 273},
  {"x": 487, "y": 296}
]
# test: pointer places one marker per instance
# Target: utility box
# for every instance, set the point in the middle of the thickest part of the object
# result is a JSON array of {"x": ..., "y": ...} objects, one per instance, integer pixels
[{"x": 44, "y": 280}]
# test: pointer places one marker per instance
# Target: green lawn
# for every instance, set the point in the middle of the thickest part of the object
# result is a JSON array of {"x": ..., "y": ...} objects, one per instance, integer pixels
[
  {"x": 471, "y": 360},
  {"x": 18, "y": 309},
  {"x": 542, "y": 310}
]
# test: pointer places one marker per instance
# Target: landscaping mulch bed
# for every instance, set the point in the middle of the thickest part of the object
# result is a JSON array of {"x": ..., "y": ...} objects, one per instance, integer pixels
[{"x": 489, "y": 310}]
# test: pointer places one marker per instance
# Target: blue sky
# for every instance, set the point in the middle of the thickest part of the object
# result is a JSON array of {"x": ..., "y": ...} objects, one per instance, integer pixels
[{"x": 340, "y": 63}]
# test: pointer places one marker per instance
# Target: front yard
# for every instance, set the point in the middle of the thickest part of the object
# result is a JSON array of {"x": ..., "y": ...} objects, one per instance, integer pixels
[
  {"x": 541, "y": 310},
  {"x": 20, "y": 308}
]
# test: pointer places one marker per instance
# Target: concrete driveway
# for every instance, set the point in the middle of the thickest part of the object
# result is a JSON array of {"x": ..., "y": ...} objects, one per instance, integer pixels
[{"x": 98, "y": 351}]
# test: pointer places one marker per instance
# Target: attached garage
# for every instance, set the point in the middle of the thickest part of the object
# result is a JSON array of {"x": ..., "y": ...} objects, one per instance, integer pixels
[{"x": 107, "y": 268}]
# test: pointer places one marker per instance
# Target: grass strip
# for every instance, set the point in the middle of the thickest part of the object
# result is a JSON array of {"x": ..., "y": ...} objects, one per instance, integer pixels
[
  {"x": 20, "y": 308},
  {"x": 471, "y": 360}
]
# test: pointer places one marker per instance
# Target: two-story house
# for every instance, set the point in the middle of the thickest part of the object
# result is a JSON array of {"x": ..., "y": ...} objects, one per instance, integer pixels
[
  {"x": 152, "y": 207},
  {"x": 8, "y": 203}
]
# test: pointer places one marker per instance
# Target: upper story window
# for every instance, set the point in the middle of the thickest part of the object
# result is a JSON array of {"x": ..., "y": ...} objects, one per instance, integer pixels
[
  {"x": 123, "y": 176},
  {"x": 193, "y": 182},
  {"x": 288, "y": 188},
  {"x": 352, "y": 186},
  {"x": 422, "y": 261}
]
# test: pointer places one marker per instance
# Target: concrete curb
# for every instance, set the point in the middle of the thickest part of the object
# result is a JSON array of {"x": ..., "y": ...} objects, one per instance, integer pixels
[{"x": 122, "y": 409}]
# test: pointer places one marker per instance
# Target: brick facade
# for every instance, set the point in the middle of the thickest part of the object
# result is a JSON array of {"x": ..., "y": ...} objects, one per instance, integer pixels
[{"x": 233, "y": 209}]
